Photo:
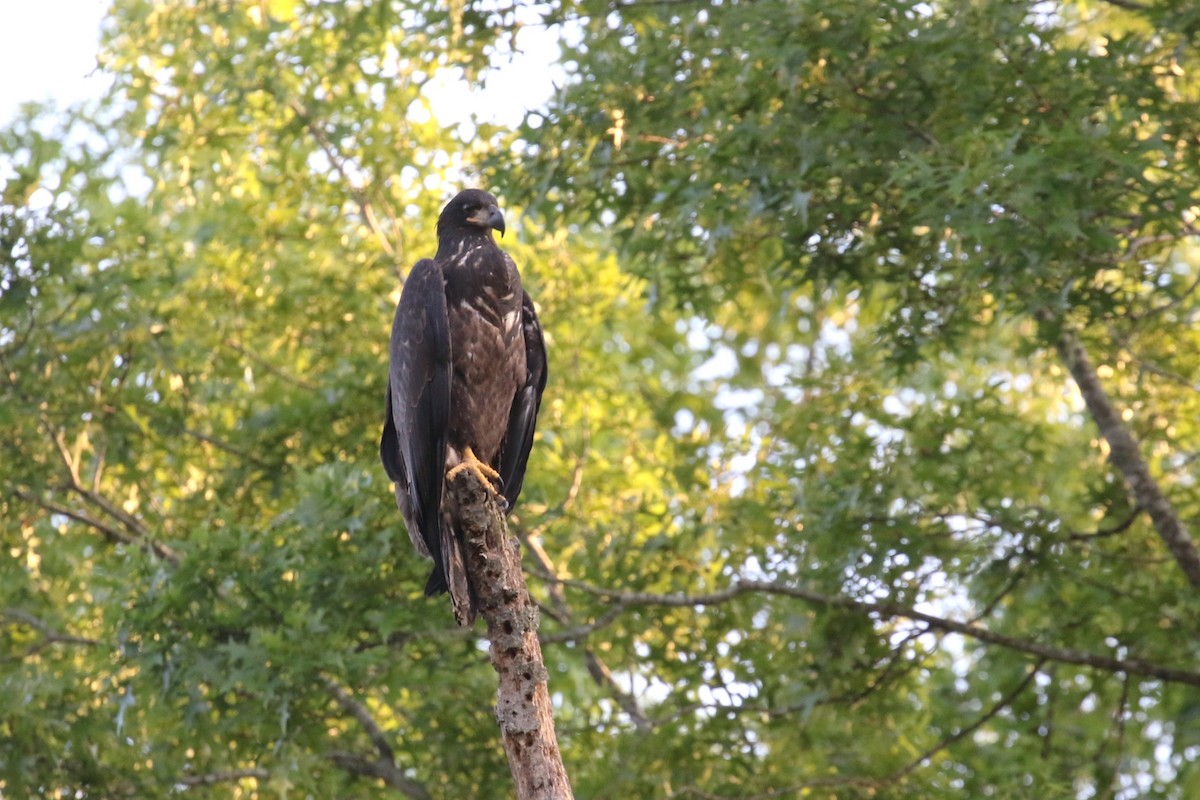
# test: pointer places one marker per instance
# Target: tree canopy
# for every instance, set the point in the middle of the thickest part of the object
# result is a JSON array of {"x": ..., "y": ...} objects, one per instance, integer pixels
[{"x": 868, "y": 466}]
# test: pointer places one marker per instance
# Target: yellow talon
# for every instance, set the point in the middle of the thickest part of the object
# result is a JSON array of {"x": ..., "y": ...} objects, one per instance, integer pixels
[{"x": 482, "y": 471}]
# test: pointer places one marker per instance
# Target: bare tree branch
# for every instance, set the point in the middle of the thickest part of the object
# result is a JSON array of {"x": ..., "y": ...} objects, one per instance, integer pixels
[
  {"x": 1127, "y": 457},
  {"x": 888, "y": 610},
  {"x": 131, "y": 522},
  {"x": 561, "y": 610},
  {"x": 1177, "y": 300},
  {"x": 64, "y": 453},
  {"x": 109, "y": 532},
  {"x": 603, "y": 677},
  {"x": 138, "y": 534}
]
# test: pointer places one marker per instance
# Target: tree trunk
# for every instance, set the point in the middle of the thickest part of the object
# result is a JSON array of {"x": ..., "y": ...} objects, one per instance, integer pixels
[{"x": 523, "y": 702}]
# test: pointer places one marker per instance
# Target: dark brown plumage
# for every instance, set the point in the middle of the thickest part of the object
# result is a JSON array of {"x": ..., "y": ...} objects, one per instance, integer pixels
[{"x": 468, "y": 367}]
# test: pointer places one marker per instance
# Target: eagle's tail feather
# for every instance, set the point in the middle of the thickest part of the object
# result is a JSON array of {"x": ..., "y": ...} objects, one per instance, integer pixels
[{"x": 436, "y": 583}]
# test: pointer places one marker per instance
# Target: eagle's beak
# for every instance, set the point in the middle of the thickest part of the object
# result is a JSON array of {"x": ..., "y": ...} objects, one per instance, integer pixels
[{"x": 495, "y": 220}]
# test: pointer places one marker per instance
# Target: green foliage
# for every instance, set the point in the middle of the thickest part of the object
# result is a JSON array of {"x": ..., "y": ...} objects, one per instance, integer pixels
[{"x": 801, "y": 266}]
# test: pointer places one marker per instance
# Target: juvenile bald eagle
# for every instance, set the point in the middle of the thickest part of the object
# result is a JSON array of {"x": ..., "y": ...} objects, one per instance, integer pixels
[{"x": 468, "y": 366}]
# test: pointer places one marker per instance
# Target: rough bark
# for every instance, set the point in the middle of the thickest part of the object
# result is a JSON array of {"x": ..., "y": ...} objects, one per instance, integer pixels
[
  {"x": 1127, "y": 457},
  {"x": 523, "y": 708}
]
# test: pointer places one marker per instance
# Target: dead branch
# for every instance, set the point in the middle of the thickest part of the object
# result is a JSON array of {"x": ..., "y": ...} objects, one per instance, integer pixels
[{"x": 523, "y": 710}]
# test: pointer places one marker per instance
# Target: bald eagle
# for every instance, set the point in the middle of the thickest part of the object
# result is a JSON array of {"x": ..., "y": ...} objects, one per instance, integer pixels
[{"x": 468, "y": 367}]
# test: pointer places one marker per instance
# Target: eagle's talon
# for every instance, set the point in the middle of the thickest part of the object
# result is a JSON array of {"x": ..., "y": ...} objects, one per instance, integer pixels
[{"x": 483, "y": 472}]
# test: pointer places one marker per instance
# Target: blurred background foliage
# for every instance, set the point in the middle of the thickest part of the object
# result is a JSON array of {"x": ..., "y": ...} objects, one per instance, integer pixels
[{"x": 815, "y": 509}]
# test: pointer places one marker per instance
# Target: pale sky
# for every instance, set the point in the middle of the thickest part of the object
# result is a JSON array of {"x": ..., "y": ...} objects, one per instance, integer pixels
[{"x": 47, "y": 50}]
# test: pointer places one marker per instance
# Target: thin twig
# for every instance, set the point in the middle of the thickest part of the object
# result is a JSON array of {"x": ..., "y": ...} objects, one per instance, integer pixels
[
  {"x": 795, "y": 790},
  {"x": 387, "y": 772},
  {"x": 223, "y": 776},
  {"x": 49, "y": 634},
  {"x": 339, "y": 164},
  {"x": 221, "y": 444},
  {"x": 596, "y": 668},
  {"x": 1128, "y": 5},
  {"x": 241, "y": 350},
  {"x": 1001, "y": 704},
  {"x": 1119, "y": 720},
  {"x": 1103, "y": 533}
]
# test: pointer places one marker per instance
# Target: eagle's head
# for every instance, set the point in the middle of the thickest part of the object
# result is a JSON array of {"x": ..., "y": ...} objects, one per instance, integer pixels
[{"x": 472, "y": 212}]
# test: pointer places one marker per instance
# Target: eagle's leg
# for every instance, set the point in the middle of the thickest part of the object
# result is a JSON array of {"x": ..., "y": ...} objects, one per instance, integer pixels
[{"x": 483, "y": 471}]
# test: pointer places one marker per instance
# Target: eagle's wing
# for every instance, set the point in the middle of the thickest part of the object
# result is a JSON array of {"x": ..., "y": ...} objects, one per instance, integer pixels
[
  {"x": 518, "y": 439},
  {"x": 389, "y": 454},
  {"x": 419, "y": 411}
]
